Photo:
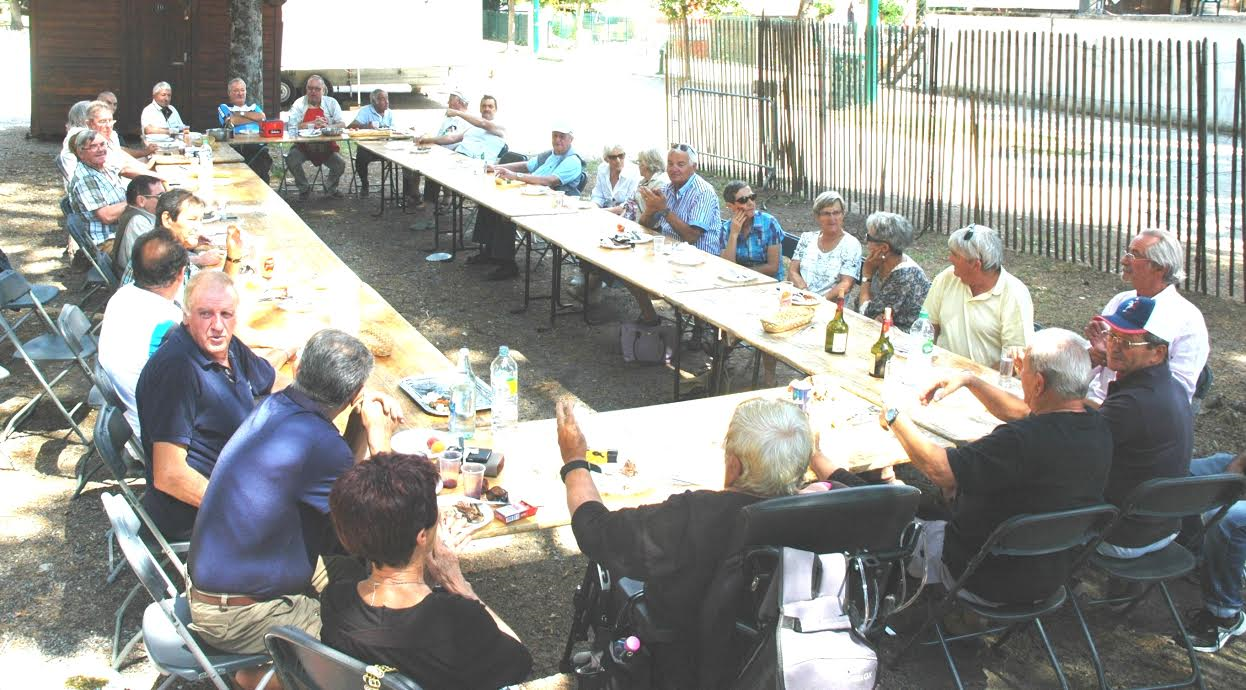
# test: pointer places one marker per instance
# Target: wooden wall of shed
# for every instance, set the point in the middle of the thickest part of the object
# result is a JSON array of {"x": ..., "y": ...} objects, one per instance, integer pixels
[{"x": 81, "y": 47}]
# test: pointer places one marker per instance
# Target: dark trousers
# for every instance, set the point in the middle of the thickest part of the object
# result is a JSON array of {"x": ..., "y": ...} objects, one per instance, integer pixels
[
  {"x": 411, "y": 183},
  {"x": 497, "y": 234},
  {"x": 364, "y": 158},
  {"x": 257, "y": 158}
]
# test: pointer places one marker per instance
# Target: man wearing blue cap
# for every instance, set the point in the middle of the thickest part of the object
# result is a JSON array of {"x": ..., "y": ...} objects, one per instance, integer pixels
[{"x": 1149, "y": 414}]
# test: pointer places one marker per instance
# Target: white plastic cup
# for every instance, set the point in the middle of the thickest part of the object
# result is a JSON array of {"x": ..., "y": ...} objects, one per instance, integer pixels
[
  {"x": 472, "y": 474},
  {"x": 659, "y": 245}
]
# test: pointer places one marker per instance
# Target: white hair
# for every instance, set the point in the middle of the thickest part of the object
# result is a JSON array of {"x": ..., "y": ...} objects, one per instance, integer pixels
[
  {"x": 161, "y": 86},
  {"x": 376, "y": 93},
  {"x": 978, "y": 242},
  {"x": 772, "y": 440},
  {"x": 230, "y": 84},
  {"x": 1062, "y": 358},
  {"x": 1166, "y": 253},
  {"x": 828, "y": 198}
]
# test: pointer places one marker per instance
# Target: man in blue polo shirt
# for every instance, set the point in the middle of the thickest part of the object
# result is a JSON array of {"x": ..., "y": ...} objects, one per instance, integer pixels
[
  {"x": 559, "y": 168},
  {"x": 264, "y": 519},
  {"x": 245, "y": 118},
  {"x": 193, "y": 393}
]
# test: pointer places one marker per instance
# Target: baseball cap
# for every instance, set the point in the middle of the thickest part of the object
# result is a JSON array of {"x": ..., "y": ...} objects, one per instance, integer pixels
[
  {"x": 564, "y": 127},
  {"x": 459, "y": 93},
  {"x": 1138, "y": 315}
]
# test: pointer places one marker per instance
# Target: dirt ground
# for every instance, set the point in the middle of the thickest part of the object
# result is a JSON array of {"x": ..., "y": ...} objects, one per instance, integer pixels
[{"x": 56, "y": 611}]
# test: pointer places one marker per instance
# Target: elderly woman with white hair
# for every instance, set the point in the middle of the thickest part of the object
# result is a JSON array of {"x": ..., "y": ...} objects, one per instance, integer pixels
[
  {"x": 652, "y": 166},
  {"x": 617, "y": 180},
  {"x": 675, "y": 546},
  {"x": 889, "y": 278},
  {"x": 828, "y": 261},
  {"x": 976, "y": 307}
]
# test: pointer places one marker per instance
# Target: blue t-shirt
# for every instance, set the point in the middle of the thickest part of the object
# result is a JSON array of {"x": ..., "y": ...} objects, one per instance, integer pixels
[
  {"x": 187, "y": 399},
  {"x": 263, "y": 520},
  {"x": 567, "y": 168},
  {"x": 752, "y": 250},
  {"x": 223, "y": 112}
]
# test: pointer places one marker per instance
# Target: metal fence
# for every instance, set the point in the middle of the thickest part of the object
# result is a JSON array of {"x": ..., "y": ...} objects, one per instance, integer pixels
[
  {"x": 1068, "y": 147},
  {"x": 494, "y": 27}
]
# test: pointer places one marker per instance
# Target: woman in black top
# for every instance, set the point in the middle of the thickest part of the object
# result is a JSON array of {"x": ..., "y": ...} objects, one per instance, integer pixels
[{"x": 415, "y": 612}]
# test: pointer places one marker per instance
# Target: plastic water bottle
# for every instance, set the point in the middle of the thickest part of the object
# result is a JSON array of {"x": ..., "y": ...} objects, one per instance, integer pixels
[
  {"x": 504, "y": 379},
  {"x": 921, "y": 343},
  {"x": 463, "y": 400},
  {"x": 623, "y": 650}
]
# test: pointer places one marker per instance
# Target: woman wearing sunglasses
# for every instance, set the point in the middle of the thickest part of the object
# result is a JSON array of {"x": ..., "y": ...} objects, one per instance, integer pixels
[{"x": 616, "y": 180}]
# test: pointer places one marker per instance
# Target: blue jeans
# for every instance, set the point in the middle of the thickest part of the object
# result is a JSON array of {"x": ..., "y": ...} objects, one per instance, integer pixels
[{"x": 1224, "y": 548}]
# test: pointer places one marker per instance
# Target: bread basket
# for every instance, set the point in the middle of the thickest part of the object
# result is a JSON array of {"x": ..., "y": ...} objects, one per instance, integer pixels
[{"x": 787, "y": 319}]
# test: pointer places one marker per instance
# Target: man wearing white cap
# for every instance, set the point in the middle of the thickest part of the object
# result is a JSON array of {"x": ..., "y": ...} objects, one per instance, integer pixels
[
  {"x": 559, "y": 168},
  {"x": 450, "y": 135},
  {"x": 1149, "y": 414}
]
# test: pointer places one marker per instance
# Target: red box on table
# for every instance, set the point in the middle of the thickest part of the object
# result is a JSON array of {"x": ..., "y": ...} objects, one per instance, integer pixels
[{"x": 272, "y": 129}]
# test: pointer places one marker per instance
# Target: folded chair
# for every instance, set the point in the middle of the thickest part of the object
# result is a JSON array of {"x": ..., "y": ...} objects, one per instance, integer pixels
[
  {"x": 112, "y": 432},
  {"x": 1161, "y": 498},
  {"x": 304, "y": 663},
  {"x": 51, "y": 346},
  {"x": 172, "y": 647},
  {"x": 1021, "y": 536},
  {"x": 101, "y": 273},
  {"x": 872, "y": 525}
]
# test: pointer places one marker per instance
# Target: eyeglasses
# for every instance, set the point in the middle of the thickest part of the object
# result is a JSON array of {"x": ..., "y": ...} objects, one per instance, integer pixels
[
  {"x": 94, "y": 147},
  {"x": 1118, "y": 339},
  {"x": 105, "y": 122},
  {"x": 875, "y": 240},
  {"x": 683, "y": 147},
  {"x": 969, "y": 233},
  {"x": 746, "y": 199},
  {"x": 1135, "y": 257},
  {"x": 615, "y": 156},
  {"x": 831, "y": 212}
]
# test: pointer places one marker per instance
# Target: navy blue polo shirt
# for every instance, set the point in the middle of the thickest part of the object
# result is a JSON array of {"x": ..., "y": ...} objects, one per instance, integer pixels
[
  {"x": 1152, "y": 436},
  {"x": 264, "y": 518},
  {"x": 188, "y": 399}
]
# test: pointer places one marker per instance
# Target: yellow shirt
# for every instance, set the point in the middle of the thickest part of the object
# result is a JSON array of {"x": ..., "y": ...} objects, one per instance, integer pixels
[{"x": 979, "y": 327}]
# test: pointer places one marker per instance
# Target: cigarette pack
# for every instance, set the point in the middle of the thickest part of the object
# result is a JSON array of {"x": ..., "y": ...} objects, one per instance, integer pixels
[{"x": 514, "y": 511}]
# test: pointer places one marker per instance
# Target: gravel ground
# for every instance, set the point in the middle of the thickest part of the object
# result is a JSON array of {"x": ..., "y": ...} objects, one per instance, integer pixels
[{"x": 56, "y": 609}]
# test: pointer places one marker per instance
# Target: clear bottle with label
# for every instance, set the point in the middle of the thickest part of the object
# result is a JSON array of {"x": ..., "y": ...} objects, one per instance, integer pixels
[
  {"x": 504, "y": 380},
  {"x": 463, "y": 400}
]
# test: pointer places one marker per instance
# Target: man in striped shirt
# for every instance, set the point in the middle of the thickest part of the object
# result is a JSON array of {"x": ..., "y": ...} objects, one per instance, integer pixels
[{"x": 685, "y": 210}]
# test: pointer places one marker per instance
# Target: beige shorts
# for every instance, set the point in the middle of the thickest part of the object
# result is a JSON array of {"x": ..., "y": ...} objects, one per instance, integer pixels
[{"x": 241, "y": 629}]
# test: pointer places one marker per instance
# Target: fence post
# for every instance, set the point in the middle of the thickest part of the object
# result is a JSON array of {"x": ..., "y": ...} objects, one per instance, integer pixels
[{"x": 1200, "y": 257}]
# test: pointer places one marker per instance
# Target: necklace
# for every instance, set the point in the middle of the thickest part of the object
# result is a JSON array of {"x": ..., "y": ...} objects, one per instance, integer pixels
[{"x": 389, "y": 581}]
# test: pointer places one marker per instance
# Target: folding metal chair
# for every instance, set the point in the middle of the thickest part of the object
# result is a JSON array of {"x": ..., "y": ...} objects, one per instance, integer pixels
[
  {"x": 171, "y": 646},
  {"x": 1161, "y": 498},
  {"x": 101, "y": 273},
  {"x": 304, "y": 663},
  {"x": 49, "y": 347},
  {"x": 1037, "y": 534},
  {"x": 112, "y": 433}
]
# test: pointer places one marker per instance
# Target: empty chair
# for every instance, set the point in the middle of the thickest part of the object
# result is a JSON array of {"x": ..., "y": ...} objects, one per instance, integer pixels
[
  {"x": 172, "y": 647},
  {"x": 304, "y": 663},
  {"x": 101, "y": 273},
  {"x": 1164, "y": 499}
]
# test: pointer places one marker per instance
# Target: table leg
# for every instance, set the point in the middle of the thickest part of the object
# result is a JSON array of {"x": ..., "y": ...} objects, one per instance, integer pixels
[
  {"x": 718, "y": 366},
  {"x": 457, "y": 231},
  {"x": 285, "y": 166},
  {"x": 679, "y": 336},
  {"x": 386, "y": 170}
]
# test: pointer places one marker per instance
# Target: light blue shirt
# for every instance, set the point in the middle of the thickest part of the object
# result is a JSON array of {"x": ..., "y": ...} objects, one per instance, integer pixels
[
  {"x": 567, "y": 168},
  {"x": 225, "y": 110},
  {"x": 367, "y": 115}
]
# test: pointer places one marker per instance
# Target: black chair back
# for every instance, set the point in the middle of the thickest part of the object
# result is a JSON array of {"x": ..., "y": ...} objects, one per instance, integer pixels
[
  {"x": 1182, "y": 496},
  {"x": 789, "y": 243},
  {"x": 305, "y": 663},
  {"x": 855, "y": 520},
  {"x": 1040, "y": 534},
  {"x": 107, "y": 389},
  {"x": 112, "y": 433}
]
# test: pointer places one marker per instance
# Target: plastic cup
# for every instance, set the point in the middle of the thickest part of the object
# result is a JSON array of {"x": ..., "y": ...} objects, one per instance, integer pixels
[
  {"x": 659, "y": 245},
  {"x": 473, "y": 478},
  {"x": 448, "y": 464}
]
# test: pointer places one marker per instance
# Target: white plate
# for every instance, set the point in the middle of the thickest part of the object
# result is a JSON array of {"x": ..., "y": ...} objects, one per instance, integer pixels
[
  {"x": 415, "y": 441},
  {"x": 157, "y": 138},
  {"x": 738, "y": 277},
  {"x": 611, "y": 481},
  {"x": 582, "y": 204},
  {"x": 309, "y": 132},
  {"x": 607, "y": 244},
  {"x": 687, "y": 259},
  {"x": 446, "y": 503},
  {"x": 800, "y": 300},
  {"x": 534, "y": 190}
]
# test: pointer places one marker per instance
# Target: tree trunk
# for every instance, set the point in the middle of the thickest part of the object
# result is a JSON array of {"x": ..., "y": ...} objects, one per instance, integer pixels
[
  {"x": 510, "y": 24},
  {"x": 246, "y": 47},
  {"x": 800, "y": 9},
  {"x": 15, "y": 15}
]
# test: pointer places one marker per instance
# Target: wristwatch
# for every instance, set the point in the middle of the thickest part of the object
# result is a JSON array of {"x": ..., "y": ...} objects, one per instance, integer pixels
[
  {"x": 577, "y": 464},
  {"x": 891, "y": 415},
  {"x": 661, "y": 214}
]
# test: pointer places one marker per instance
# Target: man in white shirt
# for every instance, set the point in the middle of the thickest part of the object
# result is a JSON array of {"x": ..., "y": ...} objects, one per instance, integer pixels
[
  {"x": 160, "y": 117},
  {"x": 481, "y": 137},
  {"x": 450, "y": 126},
  {"x": 315, "y": 109},
  {"x": 139, "y": 314},
  {"x": 1153, "y": 266}
]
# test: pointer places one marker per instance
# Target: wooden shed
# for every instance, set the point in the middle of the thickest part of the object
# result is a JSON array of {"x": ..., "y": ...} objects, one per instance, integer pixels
[{"x": 81, "y": 47}]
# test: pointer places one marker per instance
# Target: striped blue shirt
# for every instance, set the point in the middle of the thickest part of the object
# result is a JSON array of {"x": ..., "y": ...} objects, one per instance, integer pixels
[{"x": 696, "y": 204}]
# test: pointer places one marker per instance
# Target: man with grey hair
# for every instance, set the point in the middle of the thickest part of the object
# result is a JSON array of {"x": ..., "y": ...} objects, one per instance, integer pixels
[
  {"x": 1052, "y": 453},
  {"x": 375, "y": 115},
  {"x": 96, "y": 194},
  {"x": 676, "y": 546},
  {"x": 315, "y": 109},
  {"x": 160, "y": 117},
  {"x": 976, "y": 307},
  {"x": 245, "y": 118},
  {"x": 264, "y": 518},
  {"x": 474, "y": 137},
  {"x": 1153, "y": 266}
]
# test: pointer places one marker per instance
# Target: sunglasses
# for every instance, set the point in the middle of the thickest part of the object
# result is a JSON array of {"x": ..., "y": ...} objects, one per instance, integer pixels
[
  {"x": 875, "y": 240},
  {"x": 683, "y": 147},
  {"x": 1117, "y": 339},
  {"x": 615, "y": 156},
  {"x": 969, "y": 233},
  {"x": 746, "y": 199}
]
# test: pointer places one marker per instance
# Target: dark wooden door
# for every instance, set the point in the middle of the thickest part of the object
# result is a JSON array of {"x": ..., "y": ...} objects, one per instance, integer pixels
[{"x": 159, "y": 51}]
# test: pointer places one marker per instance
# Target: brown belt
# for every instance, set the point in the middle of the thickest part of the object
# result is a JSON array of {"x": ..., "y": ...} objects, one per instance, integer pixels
[{"x": 222, "y": 599}]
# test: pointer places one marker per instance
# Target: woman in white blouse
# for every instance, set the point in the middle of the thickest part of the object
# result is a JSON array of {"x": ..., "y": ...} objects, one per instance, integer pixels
[
  {"x": 827, "y": 261},
  {"x": 616, "y": 180},
  {"x": 652, "y": 164}
]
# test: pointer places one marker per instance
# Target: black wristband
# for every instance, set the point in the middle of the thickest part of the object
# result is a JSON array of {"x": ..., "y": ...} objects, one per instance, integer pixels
[{"x": 576, "y": 465}]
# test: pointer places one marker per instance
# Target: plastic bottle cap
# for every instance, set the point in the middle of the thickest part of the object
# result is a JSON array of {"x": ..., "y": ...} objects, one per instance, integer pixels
[
  {"x": 504, "y": 351},
  {"x": 632, "y": 644}
]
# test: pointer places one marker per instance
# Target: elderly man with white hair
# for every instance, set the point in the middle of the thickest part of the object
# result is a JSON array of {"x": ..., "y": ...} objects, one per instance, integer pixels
[
  {"x": 315, "y": 109},
  {"x": 160, "y": 117},
  {"x": 1052, "y": 453},
  {"x": 977, "y": 308},
  {"x": 375, "y": 115},
  {"x": 96, "y": 194},
  {"x": 675, "y": 546},
  {"x": 1153, "y": 266}
]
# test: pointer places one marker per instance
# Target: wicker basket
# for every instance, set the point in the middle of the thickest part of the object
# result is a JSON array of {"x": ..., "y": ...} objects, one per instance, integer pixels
[{"x": 787, "y": 319}]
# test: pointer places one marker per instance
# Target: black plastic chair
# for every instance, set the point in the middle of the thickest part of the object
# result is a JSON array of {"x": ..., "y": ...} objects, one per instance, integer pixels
[
  {"x": 1161, "y": 498},
  {"x": 1029, "y": 535},
  {"x": 871, "y": 524},
  {"x": 304, "y": 663}
]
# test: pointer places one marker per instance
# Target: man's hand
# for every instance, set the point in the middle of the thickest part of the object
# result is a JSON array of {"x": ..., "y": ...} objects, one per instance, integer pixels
[
  {"x": 504, "y": 173},
  {"x": 571, "y": 442},
  {"x": 1236, "y": 465},
  {"x": 442, "y": 566},
  {"x": 379, "y": 408},
  {"x": 1097, "y": 333},
  {"x": 151, "y": 149},
  {"x": 212, "y": 257},
  {"x": 944, "y": 387},
  {"x": 655, "y": 200}
]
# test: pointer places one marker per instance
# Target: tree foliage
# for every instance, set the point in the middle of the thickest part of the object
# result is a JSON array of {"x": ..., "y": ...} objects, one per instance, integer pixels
[{"x": 680, "y": 9}]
